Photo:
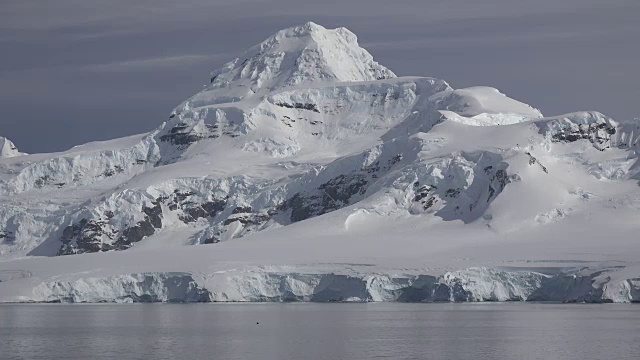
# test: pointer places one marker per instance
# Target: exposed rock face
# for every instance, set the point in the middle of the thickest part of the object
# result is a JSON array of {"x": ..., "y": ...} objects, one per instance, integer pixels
[
  {"x": 332, "y": 195},
  {"x": 181, "y": 135},
  {"x": 6, "y": 237},
  {"x": 310, "y": 107},
  {"x": 435, "y": 187},
  {"x": 95, "y": 235},
  {"x": 104, "y": 233},
  {"x": 533, "y": 160},
  {"x": 591, "y": 126},
  {"x": 85, "y": 236},
  {"x": 151, "y": 221}
]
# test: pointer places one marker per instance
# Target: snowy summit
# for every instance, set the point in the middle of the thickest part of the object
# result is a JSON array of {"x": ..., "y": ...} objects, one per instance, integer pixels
[
  {"x": 7, "y": 148},
  {"x": 297, "y": 56},
  {"x": 306, "y": 171}
]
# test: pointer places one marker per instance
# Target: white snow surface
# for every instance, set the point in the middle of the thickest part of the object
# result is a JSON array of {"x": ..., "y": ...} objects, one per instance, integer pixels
[
  {"x": 306, "y": 171},
  {"x": 8, "y": 149}
]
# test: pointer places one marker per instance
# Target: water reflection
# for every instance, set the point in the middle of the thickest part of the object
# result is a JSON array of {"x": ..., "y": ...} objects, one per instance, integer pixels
[{"x": 320, "y": 331}]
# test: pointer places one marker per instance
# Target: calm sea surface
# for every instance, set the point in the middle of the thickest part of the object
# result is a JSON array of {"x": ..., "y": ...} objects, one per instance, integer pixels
[{"x": 320, "y": 331}]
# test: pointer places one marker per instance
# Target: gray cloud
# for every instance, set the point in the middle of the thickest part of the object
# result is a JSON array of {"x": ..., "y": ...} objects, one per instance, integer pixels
[
  {"x": 73, "y": 71},
  {"x": 153, "y": 64}
]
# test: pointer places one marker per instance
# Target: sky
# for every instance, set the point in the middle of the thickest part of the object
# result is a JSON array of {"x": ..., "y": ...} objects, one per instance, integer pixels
[{"x": 75, "y": 71}]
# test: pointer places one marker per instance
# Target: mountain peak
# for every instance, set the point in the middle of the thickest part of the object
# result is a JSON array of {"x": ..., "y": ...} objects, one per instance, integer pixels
[
  {"x": 7, "y": 148},
  {"x": 303, "y": 54},
  {"x": 304, "y": 29}
]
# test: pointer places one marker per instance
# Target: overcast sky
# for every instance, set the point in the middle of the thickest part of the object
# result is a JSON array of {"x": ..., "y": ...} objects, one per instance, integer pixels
[{"x": 73, "y": 71}]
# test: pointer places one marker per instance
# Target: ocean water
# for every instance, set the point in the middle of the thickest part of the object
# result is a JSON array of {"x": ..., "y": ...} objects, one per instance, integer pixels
[{"x": 320, "y": 331}]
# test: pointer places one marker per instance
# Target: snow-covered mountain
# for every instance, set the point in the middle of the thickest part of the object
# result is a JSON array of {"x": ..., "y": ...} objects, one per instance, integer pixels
[
  {"x": 306, "y": 171},
  {"x": 8, "y": 149}
]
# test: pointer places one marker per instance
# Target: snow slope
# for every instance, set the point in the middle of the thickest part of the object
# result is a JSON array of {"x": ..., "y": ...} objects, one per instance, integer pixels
[
  {"x": 306, "y": 171},
  {"x": 8, "y": 149}
]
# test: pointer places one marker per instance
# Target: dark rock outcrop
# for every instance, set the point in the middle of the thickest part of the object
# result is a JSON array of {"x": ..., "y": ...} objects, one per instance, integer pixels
[
  {"x": 332, "y": 195},
  {"x": 300, "y": 106},
  {"x": 6, "y": 237}
]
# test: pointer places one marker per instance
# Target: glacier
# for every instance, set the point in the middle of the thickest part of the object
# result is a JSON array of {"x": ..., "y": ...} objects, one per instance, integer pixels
[
  {"x": 273, "y": 284},
  {"x": 304, "y": 170}
]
